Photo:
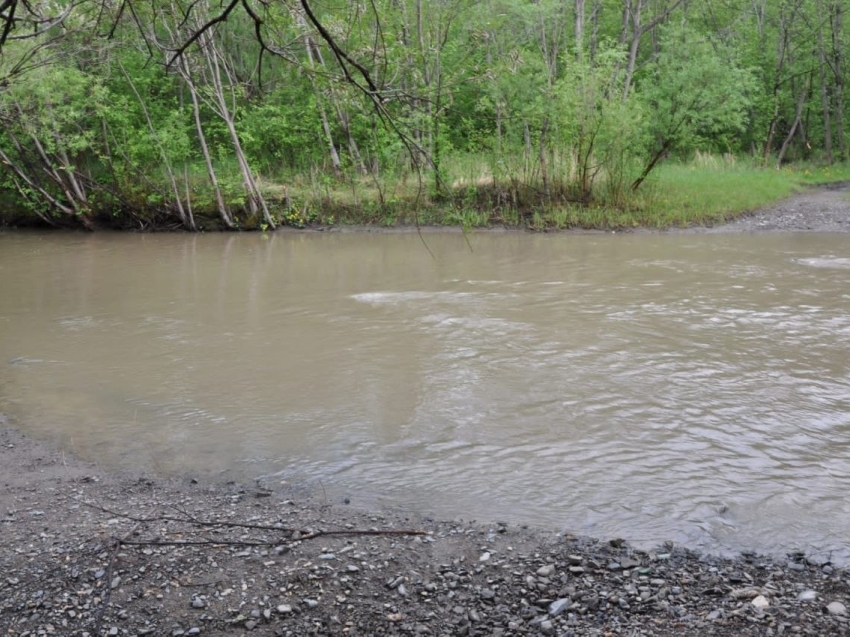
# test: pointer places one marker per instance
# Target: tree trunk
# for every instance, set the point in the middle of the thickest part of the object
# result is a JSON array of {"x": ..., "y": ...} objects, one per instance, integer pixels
[
  {"x": 634, "y": 9},
  {"x": 223, "y": 212},
  {"x": 836, "y": 22},
  {"x": 185, "y": 215},
  {"x": 824, "y": 92},
  {"x": 579, "y": 28},
  {"x": 798, "y": 118},
  {"x": 217, "y": 67},
  {"x": 309, "y": 46},
  {"x": 544, "y": 167}
]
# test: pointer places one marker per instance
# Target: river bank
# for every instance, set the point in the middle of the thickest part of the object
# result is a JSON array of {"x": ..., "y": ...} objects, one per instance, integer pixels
[
  {"x": 682, "y": 196},
  {"x": 88, "y": 552}
]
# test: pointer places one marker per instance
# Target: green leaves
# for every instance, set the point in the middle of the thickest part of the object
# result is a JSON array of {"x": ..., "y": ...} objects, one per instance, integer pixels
[{"x": 697, "y": 97}]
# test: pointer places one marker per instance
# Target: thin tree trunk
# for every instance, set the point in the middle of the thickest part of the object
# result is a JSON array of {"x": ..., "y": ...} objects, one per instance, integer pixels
[
  {"x": 781, "y": 55},
  {"x": 824, "y": 92},
  {"x": 798, "y": 118},
  {"x": 186, "y": 219},
  {"x": 202, "y": 140},
  {"x": 256, "y": 201},
  {"x": 634, "y": 10},
  {"x": 836, "y": 21},
  {"x": 20, "y": 174},
  {"x": 309, "y": 46},
  {"x": 544, "y": 167},
  {"x": 594, "y": 33},
  {"x": 579, "y": 28}
]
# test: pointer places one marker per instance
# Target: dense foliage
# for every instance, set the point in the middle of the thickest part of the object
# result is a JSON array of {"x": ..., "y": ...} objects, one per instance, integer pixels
[{"x": 252, "y": 114}]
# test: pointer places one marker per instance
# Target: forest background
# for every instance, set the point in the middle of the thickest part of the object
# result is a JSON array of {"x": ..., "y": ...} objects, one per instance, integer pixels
[{"x": 199, "y": 114}]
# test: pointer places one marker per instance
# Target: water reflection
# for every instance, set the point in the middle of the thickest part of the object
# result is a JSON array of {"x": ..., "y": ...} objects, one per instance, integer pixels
[{"x": 692, "y": 388}]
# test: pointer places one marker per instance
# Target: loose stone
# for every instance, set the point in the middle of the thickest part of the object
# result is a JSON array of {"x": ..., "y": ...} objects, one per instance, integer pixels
[
  {"x": 760, "y": 602},
  {"x": 836, "y": 608},
  {"x": 558, "y": 606}
]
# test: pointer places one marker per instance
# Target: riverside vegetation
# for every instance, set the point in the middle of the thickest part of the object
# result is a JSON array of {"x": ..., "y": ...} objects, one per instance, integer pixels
[{"x": 552, "y": 114}]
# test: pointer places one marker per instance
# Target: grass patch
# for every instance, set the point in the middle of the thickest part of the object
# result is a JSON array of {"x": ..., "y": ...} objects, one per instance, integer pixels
[
  {"x": 701, "y": 192},
  {"x": 683, "y": 195}
]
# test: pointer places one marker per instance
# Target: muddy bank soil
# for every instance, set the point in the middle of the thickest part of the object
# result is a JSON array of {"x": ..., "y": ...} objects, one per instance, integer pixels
[{"x": 83, "y": 552}]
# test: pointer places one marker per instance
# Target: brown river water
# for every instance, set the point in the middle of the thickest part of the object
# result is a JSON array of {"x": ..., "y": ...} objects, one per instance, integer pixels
[{"x": 693, "y": 388}]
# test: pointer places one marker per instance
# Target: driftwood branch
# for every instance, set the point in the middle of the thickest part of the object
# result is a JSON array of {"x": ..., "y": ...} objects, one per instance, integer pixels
[
  {"x": 108, "y": 581},
  {"x": 294, "y": 534}
]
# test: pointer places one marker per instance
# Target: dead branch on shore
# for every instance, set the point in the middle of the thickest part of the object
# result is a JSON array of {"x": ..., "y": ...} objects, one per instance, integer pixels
[
  {"x": 294, "y": 534},
  {"x": 109, "y": 570}
]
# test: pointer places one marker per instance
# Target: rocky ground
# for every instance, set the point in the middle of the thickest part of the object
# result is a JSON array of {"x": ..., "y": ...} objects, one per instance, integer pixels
[
  {"x": 85, "y": 552},
  {"x": 821, "y": 209}
]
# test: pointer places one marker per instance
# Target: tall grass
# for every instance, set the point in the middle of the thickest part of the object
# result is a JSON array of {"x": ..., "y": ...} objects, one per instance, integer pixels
[
  {"x": 481, "y": 191},
  {"x": 693, "y": 194}
]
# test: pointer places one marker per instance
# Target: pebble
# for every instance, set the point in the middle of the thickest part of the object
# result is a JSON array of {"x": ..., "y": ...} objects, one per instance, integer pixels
[
  {"x": 760, "y": 602},
  {"x": 836, "y": 608},
  {"x": 558, "y": 606},
  {"x": 494, "y": 586}
]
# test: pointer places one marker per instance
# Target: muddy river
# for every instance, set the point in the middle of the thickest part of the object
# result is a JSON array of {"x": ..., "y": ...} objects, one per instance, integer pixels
[{"x": 693, "y": 388}]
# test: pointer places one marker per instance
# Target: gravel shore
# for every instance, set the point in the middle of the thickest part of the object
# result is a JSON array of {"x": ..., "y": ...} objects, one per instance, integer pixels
[
  {"x": 819, "y": 209},
  {"x": 86, "y": 552}
]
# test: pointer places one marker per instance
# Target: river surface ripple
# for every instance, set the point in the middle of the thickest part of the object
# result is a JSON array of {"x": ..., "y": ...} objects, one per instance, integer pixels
[{"x": 693, "y": 388}]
